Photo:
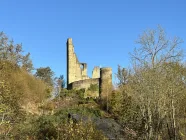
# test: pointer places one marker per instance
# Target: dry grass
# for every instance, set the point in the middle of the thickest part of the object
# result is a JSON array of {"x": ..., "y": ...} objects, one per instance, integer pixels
[{"x": 30, "y": 89}]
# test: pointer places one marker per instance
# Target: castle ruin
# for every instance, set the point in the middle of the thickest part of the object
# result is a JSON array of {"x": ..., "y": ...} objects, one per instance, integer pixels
[{"x": 77, "y": 77}]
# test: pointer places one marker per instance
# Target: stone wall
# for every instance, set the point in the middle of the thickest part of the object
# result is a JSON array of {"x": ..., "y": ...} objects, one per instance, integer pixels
[
  {"x": 83, "y": 83},
  {"x": 84, "y": 71},
  {"x": 71, "y": 59},
  {"x": 105, "y": 82},
  {"x": 96, "y": 72},
  {"x": 75, "y": 70},
  {"x": 77, "y": 77}
]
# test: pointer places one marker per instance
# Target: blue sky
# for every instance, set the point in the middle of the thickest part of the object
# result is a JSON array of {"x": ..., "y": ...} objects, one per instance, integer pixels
[{"x": 103, "y": 31}]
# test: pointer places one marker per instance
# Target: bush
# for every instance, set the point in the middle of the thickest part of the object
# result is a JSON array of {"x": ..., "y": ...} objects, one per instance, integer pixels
[
  {"x": 94, "y": 87},
  {"x": 23, "y": 83},
  {"x": 46, "y": 129},
  {"x": 53, "y": 127},
  {"x": 80, "y": 131}
]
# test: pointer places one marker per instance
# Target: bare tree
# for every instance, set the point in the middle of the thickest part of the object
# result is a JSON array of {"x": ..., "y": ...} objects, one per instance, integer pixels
[
  {"x": 154, "y": 84},
  {"x": 14, "y": 53},
  {"x": 156, "y": 48}
]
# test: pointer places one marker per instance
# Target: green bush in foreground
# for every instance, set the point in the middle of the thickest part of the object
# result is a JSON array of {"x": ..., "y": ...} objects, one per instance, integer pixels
[{"x": 53, "y": 128}]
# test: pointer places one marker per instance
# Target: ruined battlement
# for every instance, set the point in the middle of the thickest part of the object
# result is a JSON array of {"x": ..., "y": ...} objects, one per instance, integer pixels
[
  {"x": 84, "y": 83},
  {"x": 75, "y": 70},
  {"x": 77, "y": 73},
  {"x": 96, "y": 72}
]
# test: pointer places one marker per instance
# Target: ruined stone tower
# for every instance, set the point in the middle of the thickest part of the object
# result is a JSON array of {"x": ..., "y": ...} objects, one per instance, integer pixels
[
  {"x": 105, "y": 83},
  {"x": 75, "y": 71},
  {"x": 77, "y": 74}
]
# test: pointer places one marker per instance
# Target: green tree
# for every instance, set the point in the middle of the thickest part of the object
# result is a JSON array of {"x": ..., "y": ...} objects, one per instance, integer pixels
[
  {"x": 122, "y": 75},
  {"x": 45, "y": 74},
  {"x": 61, "y": 81}
]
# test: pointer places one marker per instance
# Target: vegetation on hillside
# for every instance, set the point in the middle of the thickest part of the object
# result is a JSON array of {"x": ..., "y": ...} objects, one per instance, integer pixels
[
  {"x": 148, "y": 103},
  {"x": 151, "y": 96}
]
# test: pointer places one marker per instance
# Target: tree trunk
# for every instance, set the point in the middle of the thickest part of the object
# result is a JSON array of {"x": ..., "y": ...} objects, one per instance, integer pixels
[{"x": 173, "y": 119}]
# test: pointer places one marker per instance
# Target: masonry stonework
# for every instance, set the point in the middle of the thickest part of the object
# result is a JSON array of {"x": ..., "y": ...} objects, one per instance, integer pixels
[
  {"x": 105, "y": 82},
  {"x": 96, "y": 72},
  {"x": 77, "y": 77}
]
